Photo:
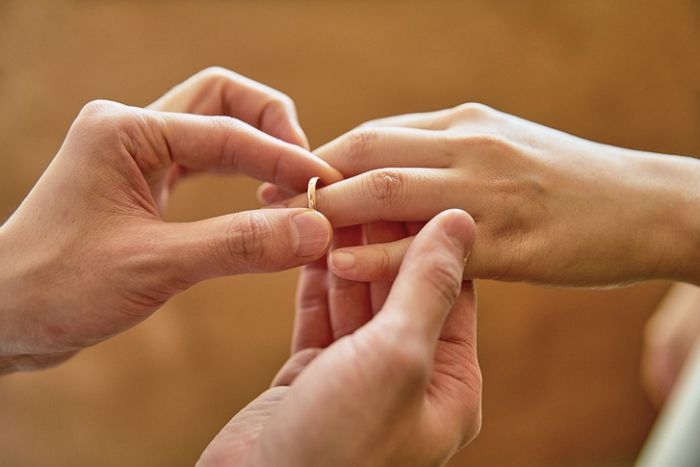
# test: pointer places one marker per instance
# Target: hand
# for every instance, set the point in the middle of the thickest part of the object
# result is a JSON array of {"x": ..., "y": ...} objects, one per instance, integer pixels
[
  {"x": 549, "y": 207},
  {"x": 399, "y": 388},
  {"x": 87, "y": 255},
  {"x": 670, "y": 336}
]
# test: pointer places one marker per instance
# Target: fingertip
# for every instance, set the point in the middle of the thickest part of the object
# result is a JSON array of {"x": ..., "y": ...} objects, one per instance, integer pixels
[
  {"x": 279, "y": 119},
  {"x": 300, "y": 136},
  {"x": 267, "y": 193},
  {"x": 460, "y": 227},
  {"x": 293, "y": 133},
  {"x": 341, "y": 260},
  {"x": 296, "y": 135},
  {"x": 343, "y": 264}
]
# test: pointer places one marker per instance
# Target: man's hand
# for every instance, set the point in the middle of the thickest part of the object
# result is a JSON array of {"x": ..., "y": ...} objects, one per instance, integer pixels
[
  {"x": 402, "y": 387},
  {"x": 87, "y": 255}
]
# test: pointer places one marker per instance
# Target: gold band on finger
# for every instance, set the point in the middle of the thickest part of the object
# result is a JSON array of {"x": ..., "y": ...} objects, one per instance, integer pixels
[{"x": 311, "y": 193}]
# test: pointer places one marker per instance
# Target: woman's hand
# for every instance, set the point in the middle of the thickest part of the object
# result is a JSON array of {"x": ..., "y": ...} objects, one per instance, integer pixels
[
  {"x": 87, "y": 255},
  {"x": 402, "y": 387},
  {"x": 549, "y": 207}
]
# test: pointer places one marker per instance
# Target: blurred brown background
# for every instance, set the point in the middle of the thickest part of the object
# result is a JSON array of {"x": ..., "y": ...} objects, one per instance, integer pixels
[{"x": 560, "y": 366}]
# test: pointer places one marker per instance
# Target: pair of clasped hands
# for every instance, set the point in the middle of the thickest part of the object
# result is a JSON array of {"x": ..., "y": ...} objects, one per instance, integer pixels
[{"x": 87, "y": 254}]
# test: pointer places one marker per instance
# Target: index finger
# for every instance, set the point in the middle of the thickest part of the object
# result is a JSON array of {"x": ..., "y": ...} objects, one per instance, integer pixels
[
  {"x": 218, "y": 91},
  {"x": 226, "y": 144}
]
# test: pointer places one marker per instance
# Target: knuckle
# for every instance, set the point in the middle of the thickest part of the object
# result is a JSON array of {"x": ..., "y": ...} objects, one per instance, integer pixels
[
  {"x": 284, "y": 100},
  {"x": 386, "y": 265},
  {"x": 279, "y": 103},
  {"x": 215, "y": 75},
  {"x": 228, "y": 125},
  {"x": 360, "y": 142},
  {"x": 228, "y": 155},
  {"x": 99, "y": 108},
  {"x": 472, "y": 111},
  {"x": 384, "y": 186},
  {"x": 103, "y": 122},
  {"x": 493, "y": 144},
  {"x": 481, "y": 142},
  {"x": 102, "y": 116},
  {"x": 215, "y": 71},
  {"x": 310, "y": 303},
  {"x": 219, "y": 79},
  {"x": 247, "y": 240}
]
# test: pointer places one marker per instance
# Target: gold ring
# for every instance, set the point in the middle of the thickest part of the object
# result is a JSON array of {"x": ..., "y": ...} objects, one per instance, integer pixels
[{"x": 311, "y": 193}]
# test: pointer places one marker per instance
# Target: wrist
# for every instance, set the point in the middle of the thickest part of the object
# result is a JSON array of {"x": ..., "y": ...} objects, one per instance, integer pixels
[
  {"x": 7, "y": 306},
  {"x": 14, "y": 292},
  {"x": 673, "y": 199}
]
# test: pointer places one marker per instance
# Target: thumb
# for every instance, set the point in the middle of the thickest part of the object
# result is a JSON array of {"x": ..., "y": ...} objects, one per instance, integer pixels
[
  {"x": 263, "y": 240},
  {"x": 430, "y": 278}
]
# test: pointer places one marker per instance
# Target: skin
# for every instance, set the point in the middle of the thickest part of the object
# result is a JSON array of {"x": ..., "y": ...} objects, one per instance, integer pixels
[
  {"x": 87, "y": 254},
  {"x": 549, "y": 207},
  {"x": 386, "y": 347},
  {"x": 670, "y": 336},
  {"x": 399, "y": 387}
]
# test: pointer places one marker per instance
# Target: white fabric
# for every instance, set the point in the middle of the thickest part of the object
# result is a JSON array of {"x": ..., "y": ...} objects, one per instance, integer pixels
[{"x": 675, "y": 439}]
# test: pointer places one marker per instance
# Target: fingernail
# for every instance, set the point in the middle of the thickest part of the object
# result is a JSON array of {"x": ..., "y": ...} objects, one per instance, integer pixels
[
  {"x": 311, "y": 233},
  {"x": 342, "y": 260}
]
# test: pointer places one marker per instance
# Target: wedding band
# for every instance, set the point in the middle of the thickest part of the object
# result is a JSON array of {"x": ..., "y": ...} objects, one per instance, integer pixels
[{"x": 311, "y": 193}]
